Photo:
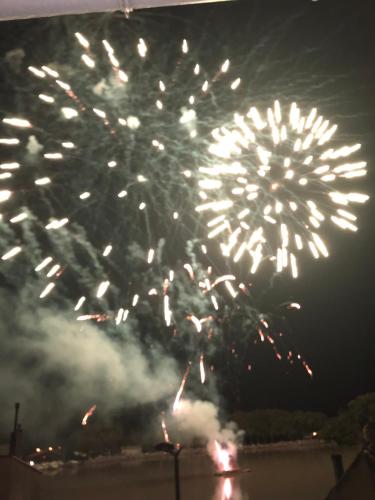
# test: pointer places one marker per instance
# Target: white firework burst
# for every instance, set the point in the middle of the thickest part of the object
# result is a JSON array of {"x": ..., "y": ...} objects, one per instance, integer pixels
[{"x": 274, "y": 182}]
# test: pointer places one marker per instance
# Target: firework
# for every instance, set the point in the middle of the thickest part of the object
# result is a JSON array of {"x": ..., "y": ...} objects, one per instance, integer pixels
[
  {"x": 202, "y": 369},
  {"x": 222, "y": 457},
  {"x": 274, "y": 183},
  {"x": 176, "y": 403},
  {"x": 164, "y": 429},
  {"x": 132, "y": 193},
  {"x": 88, "y": 414}
]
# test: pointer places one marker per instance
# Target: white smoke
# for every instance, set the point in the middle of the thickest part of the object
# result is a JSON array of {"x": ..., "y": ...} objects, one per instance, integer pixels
[
  {"x": 56, "y": 367},
  {"x": 200, "y": 419},
  {"x": 33, "y": 146}
]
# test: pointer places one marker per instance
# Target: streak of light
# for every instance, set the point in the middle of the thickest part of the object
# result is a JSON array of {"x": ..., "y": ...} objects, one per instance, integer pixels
[
  {"x": 43, "y": 264},
  {"x": 201, "y": 369},
  {"x": 17, "y": 122},
  {"x": 47, "y": 290},
  {"x": 107, "y": 250},
  {"x": 11, "y": 253},
  {"x": 167, "y": 311},
  {"x": 88, "y": 414},
  {"x": 102, "y": 289},
  {"x": 176, "y": 403},
  {"x": 165, "y": 431},
  {"x": 150, "y": 255},
  {"x": 43, "y": 181},
  {"x": 135, "y": 300},
  {"x": 80, "y": 303}
]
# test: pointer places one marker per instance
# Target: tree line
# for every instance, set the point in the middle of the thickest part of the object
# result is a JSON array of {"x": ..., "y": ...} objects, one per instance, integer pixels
[{"x": 273, "y": 425}]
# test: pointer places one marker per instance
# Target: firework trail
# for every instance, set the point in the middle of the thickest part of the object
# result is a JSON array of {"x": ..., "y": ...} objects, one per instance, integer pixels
[
  {"x": 176, "y": 403},
  {"x": 164, "y": 429},
  {"x": 88, "y": 414}
]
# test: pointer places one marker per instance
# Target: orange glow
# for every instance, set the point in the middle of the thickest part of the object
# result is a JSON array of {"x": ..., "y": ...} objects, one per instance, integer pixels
[{"x": 88, "y": 414}]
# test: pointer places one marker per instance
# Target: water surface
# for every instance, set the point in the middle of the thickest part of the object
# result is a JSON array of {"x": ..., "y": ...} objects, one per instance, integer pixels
[{"x": 289, "y": 475}]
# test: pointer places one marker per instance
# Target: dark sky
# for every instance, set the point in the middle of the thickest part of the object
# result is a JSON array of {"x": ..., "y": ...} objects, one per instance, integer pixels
[{"x": 328, "y": 41}]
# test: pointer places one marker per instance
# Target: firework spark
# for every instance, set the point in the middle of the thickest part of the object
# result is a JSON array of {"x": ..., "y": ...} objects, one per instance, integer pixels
[
  {"x": 164, "y": 429},
  {"x": 88, "y": 414},
  {"x": 176, "y": 403},
  {"x": 202, "y": 369}
]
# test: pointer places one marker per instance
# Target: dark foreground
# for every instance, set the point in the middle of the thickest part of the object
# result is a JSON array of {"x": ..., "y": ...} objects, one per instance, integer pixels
[{"x": 289, "y": 475}]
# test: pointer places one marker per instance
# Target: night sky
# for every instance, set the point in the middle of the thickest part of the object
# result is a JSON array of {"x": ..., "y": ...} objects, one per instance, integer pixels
[{"x": 329, "y": 44}]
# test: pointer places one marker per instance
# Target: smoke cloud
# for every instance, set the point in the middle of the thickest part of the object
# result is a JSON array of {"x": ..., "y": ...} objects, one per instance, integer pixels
[
  {"x": 200, "y": 419},
  {"x": 56, "y": 367}
]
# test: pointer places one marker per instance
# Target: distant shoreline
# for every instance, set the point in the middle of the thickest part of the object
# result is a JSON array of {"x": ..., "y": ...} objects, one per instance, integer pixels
[
  {"x": 301, "y": 444},
  {"x": 104, "y": 461}
]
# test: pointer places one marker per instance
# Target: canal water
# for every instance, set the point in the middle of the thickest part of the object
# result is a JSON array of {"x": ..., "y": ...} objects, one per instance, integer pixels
[{"x": 289, "y": 475}]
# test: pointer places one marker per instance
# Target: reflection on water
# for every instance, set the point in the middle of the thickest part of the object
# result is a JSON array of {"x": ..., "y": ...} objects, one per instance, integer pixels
[
  {"x": 298, "y": 475},
  {"x": 227, "y": 489}
]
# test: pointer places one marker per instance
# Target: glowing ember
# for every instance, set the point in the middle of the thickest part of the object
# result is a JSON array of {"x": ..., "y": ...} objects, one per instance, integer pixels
[{"x": 88, "y": 414}]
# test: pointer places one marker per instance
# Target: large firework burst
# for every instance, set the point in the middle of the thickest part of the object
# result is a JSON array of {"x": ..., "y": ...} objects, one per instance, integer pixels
[
  {"x": 274, "y": 181},
  {"x": 110, "y": 157}
]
